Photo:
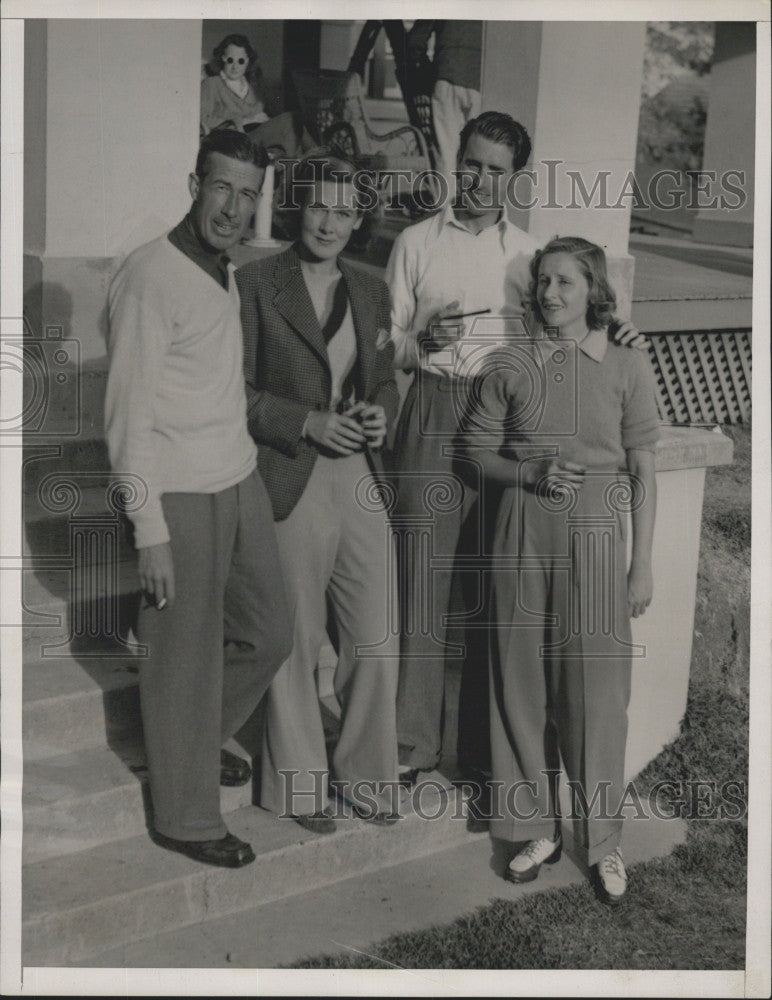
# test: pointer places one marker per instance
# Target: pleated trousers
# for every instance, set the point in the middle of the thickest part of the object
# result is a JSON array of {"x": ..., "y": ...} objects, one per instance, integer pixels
[
  {"x": 212, "y": 652},
  {"x": 435, "y": 489},
  {"x": 336, "y": 544},
  {"x": 560, "y": 665}
]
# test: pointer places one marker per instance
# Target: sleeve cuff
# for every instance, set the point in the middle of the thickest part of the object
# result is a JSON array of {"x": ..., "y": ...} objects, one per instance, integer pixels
[{"x": 150, "y": 527}]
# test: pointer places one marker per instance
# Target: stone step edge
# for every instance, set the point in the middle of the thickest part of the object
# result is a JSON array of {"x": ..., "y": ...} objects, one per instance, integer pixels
[
  {"x": 90, "y": 691},
  {"x": 67, "y": 936},
  {"x": 111, "y": 813},
  {"x": 81, "y": 721}
]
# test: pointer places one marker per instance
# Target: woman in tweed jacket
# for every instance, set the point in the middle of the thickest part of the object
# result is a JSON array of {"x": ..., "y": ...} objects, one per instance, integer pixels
[{"x": 320, "y": 396}]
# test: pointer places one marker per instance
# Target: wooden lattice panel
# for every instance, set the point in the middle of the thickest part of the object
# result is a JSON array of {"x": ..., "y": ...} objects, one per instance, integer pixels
[{"x": 703, "y": 376}]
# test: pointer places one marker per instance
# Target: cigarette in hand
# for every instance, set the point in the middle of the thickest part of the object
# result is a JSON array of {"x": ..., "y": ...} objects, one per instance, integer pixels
[
  {"x": 161, "y": 604},
  {"x": 477, "y": 312}
]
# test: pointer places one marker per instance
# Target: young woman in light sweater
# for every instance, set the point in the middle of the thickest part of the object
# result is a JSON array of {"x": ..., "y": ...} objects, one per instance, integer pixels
[{"x": 567, "y": 422}]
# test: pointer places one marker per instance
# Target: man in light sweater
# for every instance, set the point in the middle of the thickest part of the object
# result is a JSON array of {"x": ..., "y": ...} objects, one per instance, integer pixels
[{"x": 214, "y": 618}]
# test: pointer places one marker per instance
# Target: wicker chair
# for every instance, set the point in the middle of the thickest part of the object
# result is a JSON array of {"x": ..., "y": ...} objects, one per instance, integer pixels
[{"x": 332, "y": 109}]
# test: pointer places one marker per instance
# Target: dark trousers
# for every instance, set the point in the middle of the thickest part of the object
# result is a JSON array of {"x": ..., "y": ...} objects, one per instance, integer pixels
[
  {"x": 442, "y": 524},
  {"x": 213, "y": 652}
]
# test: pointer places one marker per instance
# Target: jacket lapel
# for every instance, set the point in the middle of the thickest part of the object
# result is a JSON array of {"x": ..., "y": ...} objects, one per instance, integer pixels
[
  {"x": 294, "y": 303},
  {"x": 362, "y": 313}
]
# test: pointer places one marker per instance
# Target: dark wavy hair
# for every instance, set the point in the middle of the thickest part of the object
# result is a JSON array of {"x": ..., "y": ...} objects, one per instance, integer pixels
[
  {"x": 253, "y": 73},
  {"x": 235, "y": 145},
  {"x": 498, "y": 126},
  {"x": 591, "y": 261},
  {"x": 328, "y": 164}
]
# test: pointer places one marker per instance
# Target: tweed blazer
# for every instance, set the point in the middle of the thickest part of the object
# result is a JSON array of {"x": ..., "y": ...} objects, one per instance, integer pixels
[{"x": 287, "y": 369}]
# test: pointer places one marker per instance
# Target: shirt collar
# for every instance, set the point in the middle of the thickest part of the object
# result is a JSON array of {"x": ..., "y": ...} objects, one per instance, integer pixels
[
  {"x": 594, "y": 345},
  {"x": 185, "y": 237},
  {"x": 448, "y": 218}
]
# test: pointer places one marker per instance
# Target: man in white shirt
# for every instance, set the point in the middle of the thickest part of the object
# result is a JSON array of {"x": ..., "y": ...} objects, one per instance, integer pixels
[
  {"x": 215, "y": 619},
  {"x": 467, "y": 259}
]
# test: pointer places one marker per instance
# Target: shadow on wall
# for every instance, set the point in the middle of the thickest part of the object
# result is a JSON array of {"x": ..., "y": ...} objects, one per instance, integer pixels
[
  {"x": 79, "y": 586},
  {"x": 80, "y": 590}
]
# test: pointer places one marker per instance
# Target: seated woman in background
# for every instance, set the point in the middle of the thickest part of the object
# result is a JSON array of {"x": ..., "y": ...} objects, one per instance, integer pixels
[{"x": 232, "y": 96}]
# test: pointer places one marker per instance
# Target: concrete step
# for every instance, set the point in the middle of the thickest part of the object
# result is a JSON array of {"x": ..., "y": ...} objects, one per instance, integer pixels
[
  {"x": 49, "y": 538},
  {"x": 57, "y": 497},
  {"x": 108, "y": 896},
  {"x": 86, "y": 623},
  {"x": 52, "y": 495},
  {"x": 78, "y": 801},
  {"x": 48, "y": 591},
  {"x": 354, "y": 915},
  {"x": 71, "y": 704},
  {"x": 71, "y": 456},
  {"x": 77, "y": 701}
]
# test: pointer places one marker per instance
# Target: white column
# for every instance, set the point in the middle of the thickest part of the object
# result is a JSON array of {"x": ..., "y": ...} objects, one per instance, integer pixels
[{"x": 576, "y": 87}]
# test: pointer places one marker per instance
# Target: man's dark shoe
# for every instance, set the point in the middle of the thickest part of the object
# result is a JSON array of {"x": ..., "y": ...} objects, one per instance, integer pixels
[
  {"x": 227, "y": 852},
  {"x": 234, "y": 771},
  {"x": 318, "y": 822}
]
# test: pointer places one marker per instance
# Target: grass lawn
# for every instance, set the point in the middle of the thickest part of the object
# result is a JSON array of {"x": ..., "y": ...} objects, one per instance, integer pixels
[{"x": 685, "y": 911}]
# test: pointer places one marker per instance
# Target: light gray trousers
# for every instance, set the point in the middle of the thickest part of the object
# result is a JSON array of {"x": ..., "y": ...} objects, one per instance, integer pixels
[{"x": 336, "y": 543}]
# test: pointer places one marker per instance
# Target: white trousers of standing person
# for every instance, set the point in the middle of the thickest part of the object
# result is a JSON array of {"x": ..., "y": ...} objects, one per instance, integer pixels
[
  {"x": 337, "y": 543},
  {"x": 452, "y": 107}
]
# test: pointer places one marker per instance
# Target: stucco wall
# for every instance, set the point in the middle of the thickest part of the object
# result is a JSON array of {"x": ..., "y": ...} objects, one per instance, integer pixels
[
  {"x": 576, "y": 88},
  {"x": 121, "y": 131}
]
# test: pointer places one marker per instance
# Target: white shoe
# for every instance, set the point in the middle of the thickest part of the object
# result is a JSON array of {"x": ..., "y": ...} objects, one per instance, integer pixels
[
  {"x": 525, "y": 865},
  {"x": 613, "y": 877}
]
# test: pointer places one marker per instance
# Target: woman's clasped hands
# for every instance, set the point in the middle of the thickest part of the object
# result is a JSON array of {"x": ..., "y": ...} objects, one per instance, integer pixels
[{"x": 361, "y": 425}]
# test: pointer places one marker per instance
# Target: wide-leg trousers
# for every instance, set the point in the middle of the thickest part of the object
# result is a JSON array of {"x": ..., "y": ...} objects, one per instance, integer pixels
[
  {"x": 441, "y": 518},
  {"x": 560, "y": 665},
  {"x": 336, "y": 543},
  {"x": 212, "y": 652}
]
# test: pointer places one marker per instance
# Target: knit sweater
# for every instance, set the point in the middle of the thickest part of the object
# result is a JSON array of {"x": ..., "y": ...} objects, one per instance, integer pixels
[
  {"x": 175, "y": 410},
  {"x": 587, "y": 403}
]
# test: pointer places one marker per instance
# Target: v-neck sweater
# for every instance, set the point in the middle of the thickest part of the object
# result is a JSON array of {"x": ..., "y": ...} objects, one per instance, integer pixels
[{"x": 175, "y": 409}]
